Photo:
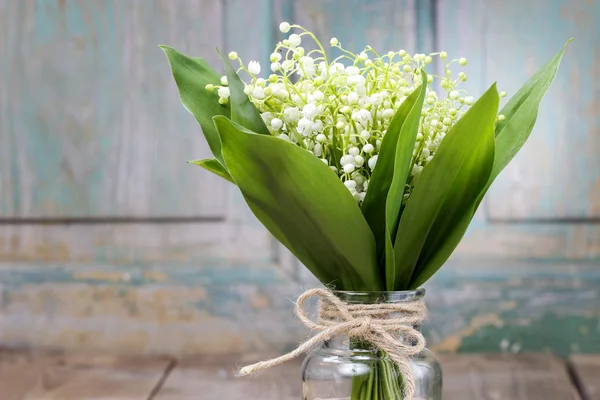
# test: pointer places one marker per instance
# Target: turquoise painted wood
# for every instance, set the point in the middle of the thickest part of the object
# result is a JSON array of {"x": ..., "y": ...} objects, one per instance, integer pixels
[
  {"x": 91, "y": 127},
  {"x": 542, "y": 206},
  {"x": 180, "y": 309},
  {"x": 91, "y": 123},
  {"x": 382, "y": 24},
  {"x": 555, "y": 177}
]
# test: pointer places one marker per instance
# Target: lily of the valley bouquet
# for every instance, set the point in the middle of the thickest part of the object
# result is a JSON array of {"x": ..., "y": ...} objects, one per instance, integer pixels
[{"x": 359, "y": 165}]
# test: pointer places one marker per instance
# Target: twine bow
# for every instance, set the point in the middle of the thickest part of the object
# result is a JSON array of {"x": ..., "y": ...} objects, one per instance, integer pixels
[{"x": 378, "y": 324}]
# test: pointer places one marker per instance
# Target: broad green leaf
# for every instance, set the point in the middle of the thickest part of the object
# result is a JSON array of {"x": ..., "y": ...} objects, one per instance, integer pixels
[
  {"x": 243, "y": 112},
  {"x": 438, "y": 254},
  {"x": 381, "y": 206},
  {"x": 304, "y": 205},
  {"x": 192, "y": 74},
  {"x": 447, "y": 188},
  {"x": 213, "y": 166},
  {"x": 520, "y": 116},
  {"x": 402, "y": 164}
]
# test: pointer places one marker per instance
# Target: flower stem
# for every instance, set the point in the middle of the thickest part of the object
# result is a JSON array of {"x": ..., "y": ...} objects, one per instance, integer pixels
[{"x": 384, "y": 380}]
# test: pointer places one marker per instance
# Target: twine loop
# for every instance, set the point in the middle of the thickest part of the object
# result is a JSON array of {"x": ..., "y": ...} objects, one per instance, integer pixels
[{"x": 389, "y": 327}]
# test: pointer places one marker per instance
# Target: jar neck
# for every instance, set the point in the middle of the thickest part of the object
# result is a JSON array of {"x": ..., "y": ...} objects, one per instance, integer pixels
[
  {"x": 343, "y": 342},
  {"x": 383, "y": 297}
]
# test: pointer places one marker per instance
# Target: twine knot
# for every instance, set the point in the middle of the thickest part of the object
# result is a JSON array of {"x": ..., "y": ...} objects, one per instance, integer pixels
[
  {"x": 362, "y": 329},
  {"x": 389, "y": 327}
]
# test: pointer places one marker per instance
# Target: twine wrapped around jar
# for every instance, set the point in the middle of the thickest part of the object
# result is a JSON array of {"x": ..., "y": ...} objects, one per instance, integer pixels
[{"x": 378, "y": 324}]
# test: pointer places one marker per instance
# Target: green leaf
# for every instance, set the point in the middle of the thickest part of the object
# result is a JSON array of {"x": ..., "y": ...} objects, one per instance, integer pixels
[
  {"x": 215, "y": 167},
  {"x": 447, "y": 188},
  {"x": 382, "y": 204},
  {"x": 304, "y": 205},
  {"x": 402, "y": 165},
  {"x": 243, "y": 111},
  {"x": 439, "y": 251},
  {"x": 520, "y": 115},
  {"x": 192, "y": 74}
]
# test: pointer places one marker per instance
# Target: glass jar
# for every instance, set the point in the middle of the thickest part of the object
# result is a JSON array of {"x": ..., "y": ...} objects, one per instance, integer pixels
[{"x": 344, "y": 369}]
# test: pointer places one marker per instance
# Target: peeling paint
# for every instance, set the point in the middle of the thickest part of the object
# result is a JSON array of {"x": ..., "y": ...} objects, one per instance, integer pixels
[
  {"x": 105, "y": 276},
  {"x": 156, "y": 276},
  {"x": 452, "y": 343}
]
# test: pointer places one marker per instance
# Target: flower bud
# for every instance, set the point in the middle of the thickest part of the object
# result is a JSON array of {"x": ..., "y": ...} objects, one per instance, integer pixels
[
  {"x": 223, "y": 92},
  {"x": 284, "y": 27},
  {"x": 294, "y": 40},
  {"x": 254, "y": 67},
  {"x": 350, "y": 184},
  {"x": 368, "y": 148},
  {"x": 353, "y": 151},
  {"x": 348, "y": 168},
  {"x": 276, "y": 123},
  {"x": 372, "y": 162},
  {"x": 347, "y": 159}
]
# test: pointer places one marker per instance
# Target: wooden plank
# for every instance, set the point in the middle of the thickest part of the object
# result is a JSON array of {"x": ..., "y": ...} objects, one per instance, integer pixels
[
  {"x": 562, "y": 151},
  {"x": 140, "y": 309},
  {"x": 215, "y": 306},
  {"x": 241, "y": 235},
  {"x": 56, "y": 376},
  {"x": 250, "y": 44},
  {"x": 214, "y": 378},
  {"x": 234, "y": 239},
  {"x": 383, "y": 24},
  {"x": 506, "y": 377},
  {"x": 90, "y": 120},
  {"x": 586, "y": 371}
]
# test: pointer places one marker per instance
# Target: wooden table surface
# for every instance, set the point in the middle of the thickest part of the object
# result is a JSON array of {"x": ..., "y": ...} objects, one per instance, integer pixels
[{"x": 27, "y": 375}]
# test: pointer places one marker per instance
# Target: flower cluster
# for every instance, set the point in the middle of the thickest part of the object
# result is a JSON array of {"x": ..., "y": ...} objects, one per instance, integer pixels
[{"x": 340, "y": 109}]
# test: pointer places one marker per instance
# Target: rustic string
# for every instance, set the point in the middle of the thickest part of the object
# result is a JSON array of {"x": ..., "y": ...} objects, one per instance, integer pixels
[{"x": 387, "y": 326}]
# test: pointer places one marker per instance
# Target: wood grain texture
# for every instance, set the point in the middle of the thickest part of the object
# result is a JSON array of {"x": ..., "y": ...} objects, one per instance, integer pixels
[
  {"x": 526, "y": 241},
  {"x": 504, "y": 377},
  {"x": 91, "y": 124},
  {"x": 237, "y": 239},
  {"x": 217, "y": 306},
  {"x": 56, "y": 376},
  {"x": 586, "y": 370},
  {"x": 383, "y": 24},
  {"x": 466, "y": 377},
  {"x": 557, "y": 173},
  {"x": 215, "y": 378},
  {"x": 171, "y": 308}
]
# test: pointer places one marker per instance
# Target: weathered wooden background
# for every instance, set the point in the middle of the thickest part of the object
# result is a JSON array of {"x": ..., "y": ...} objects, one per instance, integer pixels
[{"x": 109, "y": 240}]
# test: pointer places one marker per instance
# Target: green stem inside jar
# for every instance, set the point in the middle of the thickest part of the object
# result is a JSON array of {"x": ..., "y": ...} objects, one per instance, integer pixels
[{"x": 384, "y": 381}]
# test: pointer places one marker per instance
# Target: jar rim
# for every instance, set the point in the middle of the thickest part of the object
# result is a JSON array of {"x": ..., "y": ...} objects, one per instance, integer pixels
[{"x": 384, "y": 296}]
